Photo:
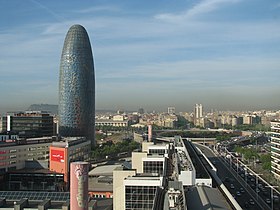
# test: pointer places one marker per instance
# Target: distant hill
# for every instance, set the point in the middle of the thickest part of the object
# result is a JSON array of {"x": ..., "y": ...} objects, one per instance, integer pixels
[{"x": 51, "y": 108}]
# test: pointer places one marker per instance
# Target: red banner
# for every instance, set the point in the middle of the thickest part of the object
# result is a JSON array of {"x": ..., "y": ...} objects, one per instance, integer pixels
[{"x": 57, "y": 155}]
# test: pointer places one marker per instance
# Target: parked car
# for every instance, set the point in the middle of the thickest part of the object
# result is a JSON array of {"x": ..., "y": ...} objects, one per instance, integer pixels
[
  {"x": 276, "y": 198},
  {"x": 251, "y": 201}
]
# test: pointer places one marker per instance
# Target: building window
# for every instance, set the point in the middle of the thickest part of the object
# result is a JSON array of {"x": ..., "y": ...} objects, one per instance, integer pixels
[
  {"x": 139, "y": 197},
  {"x": 153, "y": 167}
]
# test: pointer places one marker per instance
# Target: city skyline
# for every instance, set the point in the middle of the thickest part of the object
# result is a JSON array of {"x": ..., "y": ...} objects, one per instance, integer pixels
[{"x": 223, "y": 54}]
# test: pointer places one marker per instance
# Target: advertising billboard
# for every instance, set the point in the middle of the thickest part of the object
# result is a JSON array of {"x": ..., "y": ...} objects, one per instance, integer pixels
[{"x": 58, "y": 156}]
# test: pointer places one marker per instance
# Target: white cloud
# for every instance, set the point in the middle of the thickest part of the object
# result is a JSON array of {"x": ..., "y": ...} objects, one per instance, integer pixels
[
  {"x": 230, "y": 72},
  {"x": 99, "y": 9},
  {"x": 55, "y": 15},
  {"x": 203, "y": 7}
]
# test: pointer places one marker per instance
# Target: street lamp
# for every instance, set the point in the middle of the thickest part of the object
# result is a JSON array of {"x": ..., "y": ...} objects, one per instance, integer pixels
[
  {"x": 272, "y": 187},
  {"x": 245, "y": 174},
  {"x": 257, "y": 175},
  {"x": 230, "y": 162},
  {"x": 254, "y": 163},
  {"x": 237, "y": 165}
]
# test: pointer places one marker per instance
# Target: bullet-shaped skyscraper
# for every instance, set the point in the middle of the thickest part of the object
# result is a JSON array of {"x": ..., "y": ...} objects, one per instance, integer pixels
[{"x": 76, "y": 108}]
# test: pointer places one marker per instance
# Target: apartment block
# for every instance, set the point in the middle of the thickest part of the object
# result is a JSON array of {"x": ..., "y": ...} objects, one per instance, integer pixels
[{"x": 275, "y": 148}]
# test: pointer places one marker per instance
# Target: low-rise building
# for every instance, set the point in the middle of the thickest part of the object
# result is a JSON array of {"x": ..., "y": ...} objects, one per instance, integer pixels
[
  {"x": 62, "y": 153},
  {"x": 114, "y": 121},
  {"x": 42, "y": 153},
  {"x": 15, "y": 153}
]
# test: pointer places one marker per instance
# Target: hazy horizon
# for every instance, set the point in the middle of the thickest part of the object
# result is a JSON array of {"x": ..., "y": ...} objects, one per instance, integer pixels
[
  {"x": 224, "y": 54},
  {"x": 150, "y": 110}
]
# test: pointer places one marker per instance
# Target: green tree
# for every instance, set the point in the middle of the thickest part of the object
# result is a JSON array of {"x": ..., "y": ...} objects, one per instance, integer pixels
[
  {"x": 266, "y": 161},
  {"x": 112, "y": 150}
]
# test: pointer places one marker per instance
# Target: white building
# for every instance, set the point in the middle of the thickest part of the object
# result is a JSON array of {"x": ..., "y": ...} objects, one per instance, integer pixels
[
  {"x": 141, "y": 191},
  {"x": 198, "y": 115},
  {"x": 144, "y": 186},
  {"x": 275, "y": 149},
  {"x": 198, "y": 111},
  {"x": 171, "y": 110}
]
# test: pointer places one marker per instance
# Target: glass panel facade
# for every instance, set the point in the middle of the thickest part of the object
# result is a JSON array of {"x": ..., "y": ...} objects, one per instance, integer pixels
[
  {"x": 139, "y": 197},
  {"x": 153, "y": 167},
  {"x": 76, "y": 85},
  {"x": 30, "y": 125},
  {"x": 157, "y": 151}
]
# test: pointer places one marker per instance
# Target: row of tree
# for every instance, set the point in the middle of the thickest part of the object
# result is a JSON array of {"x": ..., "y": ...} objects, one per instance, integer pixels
[
  {"x": 111, "y": 150},
  {"x": 245, "y": 127},
  {"x": 250, "y": 154},
  {"x": 199, "y": 134}
]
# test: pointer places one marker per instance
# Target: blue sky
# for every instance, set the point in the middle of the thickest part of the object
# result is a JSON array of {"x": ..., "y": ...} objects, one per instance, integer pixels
[{"x": 224, "y": 54}]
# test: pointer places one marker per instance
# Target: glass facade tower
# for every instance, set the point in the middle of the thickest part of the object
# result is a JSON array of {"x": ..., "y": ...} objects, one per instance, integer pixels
[{"x": 76, "y": 108}]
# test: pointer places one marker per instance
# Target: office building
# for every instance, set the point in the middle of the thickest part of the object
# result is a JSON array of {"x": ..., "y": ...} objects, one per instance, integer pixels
[
  {"x": 198, "y": 112},
  {"x": 0, "y": 124},
  {"x": 141, "y": 111},
  {"x": 198, "y": 115},
  {"x": 171, "y": 110},
  {"x": 140, "y": 192},
  {"x": 76, "y": 108},
  {"x": 62, "y": 153},
  {"x": 15, "y": 153},
  {"x": 275, "y": 148},
  {"x": 44, "y": 157},
  {"x": 29, "y": 124},
  {"x": 153, "y": 179},
  {"x": 251, "y": 119}
]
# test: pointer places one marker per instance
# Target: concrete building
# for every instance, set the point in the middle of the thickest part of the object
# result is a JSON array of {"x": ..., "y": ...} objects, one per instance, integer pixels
[
  {"x": 198, "y": 115},
  {"x": 76, "y": 108},
  {"x": 29, "y": 124},
  {"x": 62, "y": 153},
  {"x": 15, "y": 200},
  {"x": 141, "y": 111},
  {"x": 159, "y": 177},
  {"x": 275, "y": 148},
  {"x": 101, "y": 181},
  {"x": 171, "y": 110},
  {"x": 156, "y": 179},
  {"x": 119, "y": 175},
  {"x": 34, "y": 154},
  {"x": 140, "y": 192},
  {"x": 235, "y": 120},
  {"x": 251, "y": 119},
  {"x": 165, "y": 120},
  {"x": 198, "y": 111},
  {"x": 114, "y": 123},
  {"x": 1, "y": 124},
  {"x": 15, "y": 153}
]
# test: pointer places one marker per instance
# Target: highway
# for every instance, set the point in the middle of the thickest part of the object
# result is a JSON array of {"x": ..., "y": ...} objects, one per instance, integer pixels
[{"x": 246, "y": 199}]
